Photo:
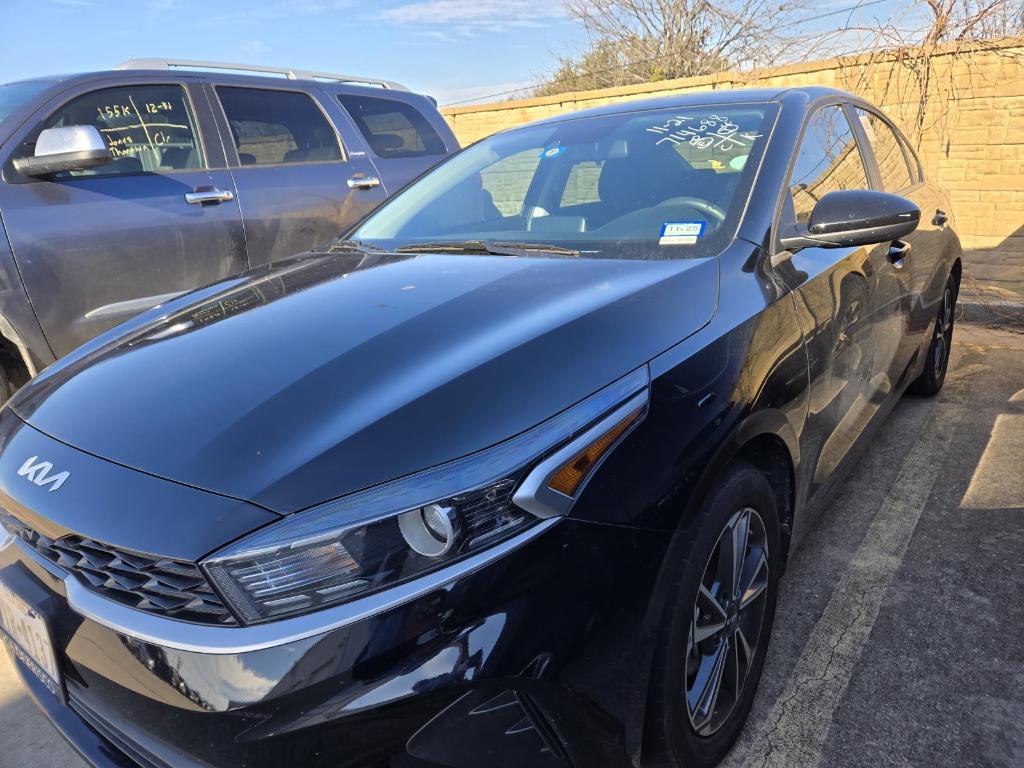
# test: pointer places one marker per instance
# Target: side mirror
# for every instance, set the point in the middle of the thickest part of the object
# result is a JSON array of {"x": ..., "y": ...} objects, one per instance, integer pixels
[
  {"x": 853, "y": 217},
  {"x": 71, "y": 148}
]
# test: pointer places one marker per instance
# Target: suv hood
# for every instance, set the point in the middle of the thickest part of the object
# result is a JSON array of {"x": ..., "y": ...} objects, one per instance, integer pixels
[{"x": 329, "y": 373}]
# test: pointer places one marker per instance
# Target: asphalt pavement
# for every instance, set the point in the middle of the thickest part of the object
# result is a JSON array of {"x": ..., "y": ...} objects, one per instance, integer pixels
[{"x": 899, "y": 636}]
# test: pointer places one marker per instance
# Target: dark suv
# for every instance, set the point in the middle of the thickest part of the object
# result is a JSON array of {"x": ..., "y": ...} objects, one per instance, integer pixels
[{"x": 198, "y": 175}]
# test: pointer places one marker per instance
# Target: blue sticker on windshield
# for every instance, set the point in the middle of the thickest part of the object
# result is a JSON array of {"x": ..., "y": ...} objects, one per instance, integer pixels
[
  {"x": 681, "y": 232},
  {"x": 552, "y": 152}
]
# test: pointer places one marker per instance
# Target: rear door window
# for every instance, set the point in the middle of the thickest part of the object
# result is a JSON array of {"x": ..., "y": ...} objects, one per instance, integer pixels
[
  {"x": 148, "y": 128},
  {"x": 828, "y": 160},
  {"x": 278, "y": 127},
  {"x": 892, "y": 162},
  {"x": 393, "y": 129}
]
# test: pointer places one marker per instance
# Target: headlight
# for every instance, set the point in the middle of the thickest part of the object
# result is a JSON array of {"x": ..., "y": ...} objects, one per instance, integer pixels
[
  {"x": 316, "y": 568},
  {"x": 397, "y": 531}
]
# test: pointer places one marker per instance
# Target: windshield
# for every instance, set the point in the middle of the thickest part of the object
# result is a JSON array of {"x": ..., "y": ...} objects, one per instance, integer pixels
[
  {"x": 13, "y": 95},
  {"x": 654, "y": 184}
]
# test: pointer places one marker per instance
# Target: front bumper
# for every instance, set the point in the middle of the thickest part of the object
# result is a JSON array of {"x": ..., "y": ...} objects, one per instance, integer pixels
[{"x": 537, "y": 659}]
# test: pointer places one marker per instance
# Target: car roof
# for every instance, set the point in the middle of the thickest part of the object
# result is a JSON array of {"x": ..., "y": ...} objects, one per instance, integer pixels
[
  {"x": 700, "y": 98},
  {"x": 233, "y": 78},
  {"x": 47, "y": 80}
]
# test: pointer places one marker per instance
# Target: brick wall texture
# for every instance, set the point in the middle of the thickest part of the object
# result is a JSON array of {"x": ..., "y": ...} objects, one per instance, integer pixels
[{"x": 968, "y": 128}]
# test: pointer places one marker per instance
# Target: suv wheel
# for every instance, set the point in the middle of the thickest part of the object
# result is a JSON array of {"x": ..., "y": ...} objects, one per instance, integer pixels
[{"x": 718, "y": 622}]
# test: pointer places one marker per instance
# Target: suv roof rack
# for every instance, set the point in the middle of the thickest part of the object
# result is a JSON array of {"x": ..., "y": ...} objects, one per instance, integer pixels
[{"x": 290, "y": 74}]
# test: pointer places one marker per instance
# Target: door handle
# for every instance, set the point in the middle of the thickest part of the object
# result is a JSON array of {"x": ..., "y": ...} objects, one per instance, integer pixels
[
  {"x": 363, "y": 182},
  {"x": 940, "y": 218},
  {"x": 209, "y": 195},
  {"x": 898, "y": 251}
]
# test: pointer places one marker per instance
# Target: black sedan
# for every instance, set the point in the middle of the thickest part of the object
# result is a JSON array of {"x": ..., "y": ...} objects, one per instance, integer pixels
[{"x": 506, "y": 477}]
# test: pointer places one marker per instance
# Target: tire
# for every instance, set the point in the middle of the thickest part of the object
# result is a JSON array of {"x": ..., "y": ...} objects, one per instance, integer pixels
[
  {"x": 684, "y": 730},
  {"x": 932, "y": 378}
]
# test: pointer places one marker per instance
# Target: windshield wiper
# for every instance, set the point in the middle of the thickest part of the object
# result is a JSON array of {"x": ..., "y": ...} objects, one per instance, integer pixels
[
  {"x": 339, "y": 246},
  {"x": 498, "y": 248}
]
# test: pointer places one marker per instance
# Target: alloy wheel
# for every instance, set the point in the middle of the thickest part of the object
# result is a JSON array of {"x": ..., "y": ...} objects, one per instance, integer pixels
[
  {"x": 943, "y": 334},
  {"x": 726, "y": 624}
]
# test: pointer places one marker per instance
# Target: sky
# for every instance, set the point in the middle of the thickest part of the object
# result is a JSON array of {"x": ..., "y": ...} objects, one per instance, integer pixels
[{"x": 454, "y": 50}]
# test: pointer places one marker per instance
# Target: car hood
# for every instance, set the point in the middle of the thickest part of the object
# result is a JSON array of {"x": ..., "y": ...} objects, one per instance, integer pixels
[{"x": 329, "y": 373}]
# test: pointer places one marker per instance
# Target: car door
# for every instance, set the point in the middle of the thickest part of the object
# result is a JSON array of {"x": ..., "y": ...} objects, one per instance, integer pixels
[
  {"x": 298, "y": 184},
  {"x": 845, "y": 315},
  {"x": 95, "y": 247},
  {"x": 400, "y": 138},
  {"x": 899, "y": 173}
]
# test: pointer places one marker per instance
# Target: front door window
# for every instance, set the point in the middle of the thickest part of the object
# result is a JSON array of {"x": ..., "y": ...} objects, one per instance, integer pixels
[{"x": 148, "y": 128}]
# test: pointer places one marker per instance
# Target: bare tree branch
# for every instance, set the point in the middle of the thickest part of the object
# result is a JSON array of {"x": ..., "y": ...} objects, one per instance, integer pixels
[{"x": 636, "y": 41}]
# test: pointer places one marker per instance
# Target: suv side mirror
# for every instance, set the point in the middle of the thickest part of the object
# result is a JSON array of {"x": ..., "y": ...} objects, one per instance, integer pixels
[
  {"x": 852, "y": 217},
  {"x": 71, "y": 148}
]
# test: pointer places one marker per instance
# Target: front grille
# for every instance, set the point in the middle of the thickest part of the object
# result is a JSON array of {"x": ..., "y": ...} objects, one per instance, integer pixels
[{"x": 171, "y": 588}]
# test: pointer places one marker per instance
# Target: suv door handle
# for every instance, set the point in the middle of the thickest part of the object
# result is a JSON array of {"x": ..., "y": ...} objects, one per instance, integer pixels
[
  {"x": 204, "y": 195},
  {"x": 363, "y": 182},
  {"x": 898, "y": 251},
  {"x": 940, "y": 218}
]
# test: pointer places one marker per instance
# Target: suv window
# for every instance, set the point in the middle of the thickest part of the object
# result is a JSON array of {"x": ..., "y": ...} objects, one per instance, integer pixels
[
  {"x": 892, "y": 162},
  {"x": 828, "y": 160},
  {"x": 392, "y": 128},
  {"x": 277, "y": 127},
  {"x": 146, "y": 127}
]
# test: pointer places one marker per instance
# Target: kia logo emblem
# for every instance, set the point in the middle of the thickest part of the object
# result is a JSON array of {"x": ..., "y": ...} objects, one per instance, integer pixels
[{"x": 39, "y": 473}]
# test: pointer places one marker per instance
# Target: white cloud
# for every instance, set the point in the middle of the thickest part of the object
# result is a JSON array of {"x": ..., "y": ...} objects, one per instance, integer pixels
[
  {"x": 486, "y": 13},
  {"x": 436, "y": 34},
  {"x": 254, "y": 47}
]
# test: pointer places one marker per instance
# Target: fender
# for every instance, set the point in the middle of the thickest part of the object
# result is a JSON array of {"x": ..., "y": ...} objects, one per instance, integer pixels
[
  {"x": 19, "y": 325},
  {"x": 769, "y": 422},
  {"x": 8, "y": 331}
]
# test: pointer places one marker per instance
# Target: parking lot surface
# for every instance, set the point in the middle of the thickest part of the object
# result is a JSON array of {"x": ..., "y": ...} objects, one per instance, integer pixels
[{"x": 898, "y": 636}]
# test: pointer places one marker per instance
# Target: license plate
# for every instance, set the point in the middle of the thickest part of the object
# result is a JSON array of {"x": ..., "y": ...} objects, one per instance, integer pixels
[{"x": 28, "y": 637}]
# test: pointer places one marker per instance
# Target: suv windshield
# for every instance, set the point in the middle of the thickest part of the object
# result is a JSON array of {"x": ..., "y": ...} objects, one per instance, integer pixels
[
  {"x": 13, "y": 95},
  {"x": 652, "y": 184}
]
